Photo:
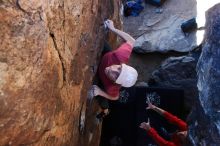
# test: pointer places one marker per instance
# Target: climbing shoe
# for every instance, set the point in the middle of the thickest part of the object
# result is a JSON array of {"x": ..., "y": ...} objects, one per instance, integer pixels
[{"x": 102, "y": 114}]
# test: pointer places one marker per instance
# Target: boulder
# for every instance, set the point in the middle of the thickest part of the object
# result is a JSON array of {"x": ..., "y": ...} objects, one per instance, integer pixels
[
  {"x": 48, "y": 50},
  {"x": 178, "y": 72},
  {"x": 205, "y": 118},
  {"x": 158, "y": 29}
]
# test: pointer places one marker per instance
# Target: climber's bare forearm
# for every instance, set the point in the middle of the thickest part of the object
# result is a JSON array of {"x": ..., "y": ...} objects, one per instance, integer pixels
[{"x": 128, "y": 38}]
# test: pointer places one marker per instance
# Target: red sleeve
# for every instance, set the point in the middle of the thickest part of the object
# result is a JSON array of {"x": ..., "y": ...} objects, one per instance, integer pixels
[
  {"x": 158, "y": 139},
  {"x": 113, "y": 90},
  {"x": 123, "y": 52},
  {"x": 176, "y": 121}
]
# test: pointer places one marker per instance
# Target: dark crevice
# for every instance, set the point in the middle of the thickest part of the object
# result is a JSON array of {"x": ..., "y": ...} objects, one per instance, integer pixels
[
  {"x": 59, "y": 54},
  {"x": 41, "y": 17}
]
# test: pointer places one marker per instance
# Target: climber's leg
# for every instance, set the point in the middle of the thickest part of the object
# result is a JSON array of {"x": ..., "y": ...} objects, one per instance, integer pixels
[{"x": 103, "y": 102}]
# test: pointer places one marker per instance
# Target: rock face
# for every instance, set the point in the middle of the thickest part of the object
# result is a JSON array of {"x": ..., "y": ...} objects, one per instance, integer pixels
[
  {"x": 47, "y": 53},
  {"x": 158, "y": 29},
  {"x": 205, "y": 124},
  {"x": 178, "y": 72}
]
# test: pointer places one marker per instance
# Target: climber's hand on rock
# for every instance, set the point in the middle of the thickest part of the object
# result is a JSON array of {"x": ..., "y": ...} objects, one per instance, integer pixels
[
  {"x": 109, "y": 24},
  {"x": 96, "y": 90},
  {"x": 90, "y": 93}
]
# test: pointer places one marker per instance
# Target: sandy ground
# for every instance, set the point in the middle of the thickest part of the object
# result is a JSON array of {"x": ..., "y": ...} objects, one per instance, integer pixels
[{"x": 146, "y": 63}]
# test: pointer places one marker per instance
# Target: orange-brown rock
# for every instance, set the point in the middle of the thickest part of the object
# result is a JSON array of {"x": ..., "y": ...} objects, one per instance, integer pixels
[{"x": 48, "y": 53}]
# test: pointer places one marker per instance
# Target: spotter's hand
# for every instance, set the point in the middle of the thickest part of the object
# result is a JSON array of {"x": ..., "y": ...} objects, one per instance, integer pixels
[
  {"x": 145, "y": 126},
  {"x": 150, "y": 105}
]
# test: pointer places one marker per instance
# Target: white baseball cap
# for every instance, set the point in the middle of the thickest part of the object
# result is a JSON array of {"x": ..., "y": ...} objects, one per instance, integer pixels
[{"x": 127, "y": 77}]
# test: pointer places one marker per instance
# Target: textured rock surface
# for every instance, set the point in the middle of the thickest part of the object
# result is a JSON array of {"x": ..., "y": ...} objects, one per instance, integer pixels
[
  {"x": 161, "y": 32},
  {"x": 47, "y": 53},
  {"x": 178, "y": 72},
  {"x": 205, "y": 124}
]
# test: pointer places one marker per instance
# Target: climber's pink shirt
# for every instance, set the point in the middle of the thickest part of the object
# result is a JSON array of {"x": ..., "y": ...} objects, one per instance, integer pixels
[{"x": 116, "y": 57}]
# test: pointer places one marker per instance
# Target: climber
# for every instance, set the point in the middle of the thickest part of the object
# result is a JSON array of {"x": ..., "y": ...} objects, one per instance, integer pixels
[
  {"x": 113, "y": 71},
  {"x": 177, "y": 139}
]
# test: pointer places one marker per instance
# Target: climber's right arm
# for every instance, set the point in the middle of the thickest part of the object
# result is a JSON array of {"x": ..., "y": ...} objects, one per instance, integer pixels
[{"x": 128, "y": 38}]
